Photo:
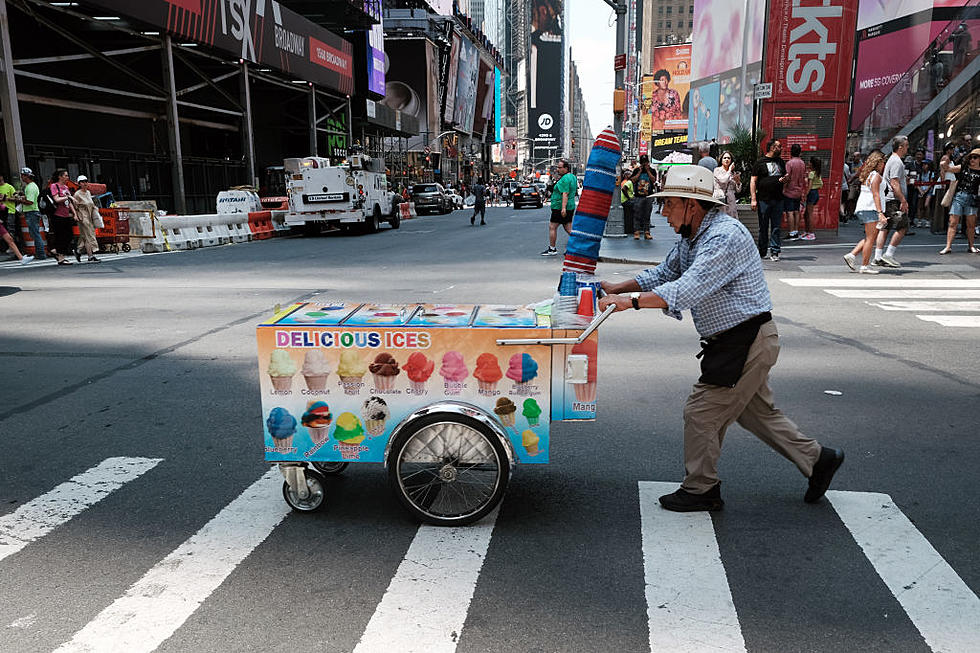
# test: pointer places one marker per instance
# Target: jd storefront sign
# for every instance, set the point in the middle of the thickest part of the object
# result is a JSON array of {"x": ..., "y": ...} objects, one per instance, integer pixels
[{"x": 260, "y": 31}]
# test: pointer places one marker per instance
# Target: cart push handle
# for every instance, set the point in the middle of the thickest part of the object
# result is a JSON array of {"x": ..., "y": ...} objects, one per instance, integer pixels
[{"x": 599, "y": 319}]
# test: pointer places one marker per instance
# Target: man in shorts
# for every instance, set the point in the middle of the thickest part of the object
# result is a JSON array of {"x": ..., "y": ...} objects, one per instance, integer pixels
[
  {"x": 562, "y": 206},
  {"x": 896, "y": 204}
]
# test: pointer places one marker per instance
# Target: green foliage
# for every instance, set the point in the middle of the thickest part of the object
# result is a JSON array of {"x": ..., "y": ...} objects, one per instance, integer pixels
[{"x": 745, "y": 151}]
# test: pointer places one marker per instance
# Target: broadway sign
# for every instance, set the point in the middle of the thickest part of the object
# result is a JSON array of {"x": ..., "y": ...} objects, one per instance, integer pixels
[{"x": 260, "y": 31}]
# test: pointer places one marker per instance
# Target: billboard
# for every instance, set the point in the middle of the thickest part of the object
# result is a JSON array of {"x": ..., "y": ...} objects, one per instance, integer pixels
[
  {"x": 808, "y": 63},
  {"x": 466, "y": 83},
  {"x": 376, "y": 59},
  {"x": 260, "y": 31},
  {"x": 410, "y": 86},
  {"x": 671, "y": 84},
  {"x": 717, "y": 35},
  {"x": 484, "y": 99},
  {"x": 547, "y": 74},
  {"x": 498, "y": 83},
  {"x": 450, "y": 103},
  {"x": 886, "y": 51},
  {"x": 704, "y": 112},
  {"x": 510, "y": 144}
]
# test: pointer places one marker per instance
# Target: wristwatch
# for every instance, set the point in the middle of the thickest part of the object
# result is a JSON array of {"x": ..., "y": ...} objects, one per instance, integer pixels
[{"x": 635, "y": 298}]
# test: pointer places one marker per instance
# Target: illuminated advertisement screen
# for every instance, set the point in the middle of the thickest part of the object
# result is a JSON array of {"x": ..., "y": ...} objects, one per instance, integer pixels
[
  {"x": 717, "y": 35},
  {"x": 484, "y": 98},
  {"x": 498, "y": 134},
  {"x": 546, "y": 72},
  {"x": 466, "y": 86},
  {"x": 704, "y": 112},
  {"x": 671, "y": 84},
  {"x": 450, "y": 105},
  {"x": 886, "y": 51},
  {"x": 376, "y": 59},
  {"x": 412, "y": 64}
]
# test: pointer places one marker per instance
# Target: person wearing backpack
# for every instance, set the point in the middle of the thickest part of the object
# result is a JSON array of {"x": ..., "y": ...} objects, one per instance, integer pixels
[
  {"x": 27, "y": 202},
  {"x": 62, "y": 217}
]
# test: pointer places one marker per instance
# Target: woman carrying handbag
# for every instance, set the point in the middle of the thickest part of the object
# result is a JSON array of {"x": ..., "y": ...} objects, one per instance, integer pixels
[{"x": 63, "y": 218}]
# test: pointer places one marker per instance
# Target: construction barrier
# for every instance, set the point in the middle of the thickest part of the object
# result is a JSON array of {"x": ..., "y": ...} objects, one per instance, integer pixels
[
  {"x": 279, "y": 223},
  {"x": 260, "y": 224},
  {"x": 407, "y": 210},
  {"x": 28, "y": 249}
]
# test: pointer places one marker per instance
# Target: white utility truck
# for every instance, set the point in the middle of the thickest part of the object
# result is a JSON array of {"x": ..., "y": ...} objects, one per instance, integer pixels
[{"x": 353, "y": 194}]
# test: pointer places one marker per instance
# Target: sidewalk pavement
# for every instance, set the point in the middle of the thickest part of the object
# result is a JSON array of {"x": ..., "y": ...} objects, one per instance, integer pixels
[{"x": 619, "y": 248}]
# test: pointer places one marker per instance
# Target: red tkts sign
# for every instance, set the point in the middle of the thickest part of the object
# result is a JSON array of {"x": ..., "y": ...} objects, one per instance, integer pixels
[{"x": 809, "y": 50}]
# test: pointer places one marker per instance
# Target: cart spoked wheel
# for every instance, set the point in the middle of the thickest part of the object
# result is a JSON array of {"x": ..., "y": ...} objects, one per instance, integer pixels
[
  {"x": 317, "y": 486},
  {"x": 448, "y": 469},
  {"x": 330, "y": 468},
  {"x": 126, "y": 247}
]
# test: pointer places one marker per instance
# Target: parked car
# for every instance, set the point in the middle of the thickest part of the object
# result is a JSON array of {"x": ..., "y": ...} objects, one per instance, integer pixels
[
  {"x": 527, "y": 195},
  {"x": 431, "y": 198}
]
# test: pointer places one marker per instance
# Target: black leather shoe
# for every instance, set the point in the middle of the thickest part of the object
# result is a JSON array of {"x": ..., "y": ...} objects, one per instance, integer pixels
[
  {"x": 823, "y": 472},
  {"x": 684, "y": 501}
]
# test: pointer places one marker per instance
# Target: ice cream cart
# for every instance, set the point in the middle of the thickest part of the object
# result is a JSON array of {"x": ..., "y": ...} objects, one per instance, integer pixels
[{"x": 448, "y": 397}]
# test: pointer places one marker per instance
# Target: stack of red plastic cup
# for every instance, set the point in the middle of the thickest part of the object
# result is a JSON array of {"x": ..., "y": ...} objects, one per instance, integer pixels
[{"x": 586, "y": 302}]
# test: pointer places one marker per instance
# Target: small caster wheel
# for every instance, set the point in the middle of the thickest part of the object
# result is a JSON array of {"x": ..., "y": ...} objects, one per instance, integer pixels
[
  {"x": 126, "y": 247},
  {"x": 330, "y": 468},
  {"x": 317, "y": 486}
]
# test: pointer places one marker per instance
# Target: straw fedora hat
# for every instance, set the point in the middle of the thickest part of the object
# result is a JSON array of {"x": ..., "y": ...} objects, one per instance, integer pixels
[{"x": 695, "y": 182}]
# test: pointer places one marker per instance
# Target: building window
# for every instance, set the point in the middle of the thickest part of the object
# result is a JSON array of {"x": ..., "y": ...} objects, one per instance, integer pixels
[
  {"x": 668, "y": 24},
  {"x": 690, "y": 10},
  {"x": 660, "y": 40},
  {"x": 670, "y": 10},
  {"x": 660, "y": 10},
  {"x": 660, "y": 24}
]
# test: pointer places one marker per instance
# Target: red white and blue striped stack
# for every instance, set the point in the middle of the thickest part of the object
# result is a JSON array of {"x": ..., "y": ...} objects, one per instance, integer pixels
[{"x": 582, "y": 251}]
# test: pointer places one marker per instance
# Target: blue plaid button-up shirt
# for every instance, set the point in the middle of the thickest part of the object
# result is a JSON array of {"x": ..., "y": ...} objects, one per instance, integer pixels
[{"x": 717, "y": 275}]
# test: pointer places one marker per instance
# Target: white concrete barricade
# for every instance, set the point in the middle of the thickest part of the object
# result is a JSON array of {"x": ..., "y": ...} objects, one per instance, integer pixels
[{"x": 279, "y": 222}]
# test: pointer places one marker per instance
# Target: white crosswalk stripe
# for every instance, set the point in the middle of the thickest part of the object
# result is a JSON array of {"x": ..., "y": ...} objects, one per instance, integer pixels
[
  {"x": 52, "y": 509},
  {"x": 947, "y": 302},
  {"x": 937, "y": 601},
  {"x": 426, "y": 603},
  {"x": 157, "y": 604},
  {"x": 689, "y": 601}
]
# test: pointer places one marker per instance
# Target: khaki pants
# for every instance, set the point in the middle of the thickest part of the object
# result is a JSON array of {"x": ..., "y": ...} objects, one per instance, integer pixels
[{"x": 711, "y": 409}]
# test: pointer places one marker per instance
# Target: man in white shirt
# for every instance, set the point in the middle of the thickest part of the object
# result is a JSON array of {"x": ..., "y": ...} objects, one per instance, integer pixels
[{"x": 896, "y": 204}]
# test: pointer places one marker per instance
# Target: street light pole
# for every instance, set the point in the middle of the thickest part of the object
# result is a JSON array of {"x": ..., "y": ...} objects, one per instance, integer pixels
[{"x": 620, "y": 9}]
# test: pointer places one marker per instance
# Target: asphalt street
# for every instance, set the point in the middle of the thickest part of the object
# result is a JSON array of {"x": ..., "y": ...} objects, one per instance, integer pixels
[{"x": 134, "y": 384}]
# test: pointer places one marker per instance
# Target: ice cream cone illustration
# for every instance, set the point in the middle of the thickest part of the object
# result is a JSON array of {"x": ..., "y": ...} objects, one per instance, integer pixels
[
  {"x": 317, "y": 420},
  {"x": 351, "y": 370},
  {"x": 375, "y": 413},
  {"x": 522, "y": 369},
  {"x": 316, "y": 369},
  {"x": 506, "y": 411},
  {"x": 281, "y": 369},
  {"x": 418, "y": 368},
  {"x": 530, "y": 440},
  {"x": 384, "y": 369},
  {"x": 531, "y": 412},
  {"x": 349, "y": 433},
  {"x": 281, "y": 426},
  {"x": 487, "y": 373},
  {"x": 453, "y": 372}
]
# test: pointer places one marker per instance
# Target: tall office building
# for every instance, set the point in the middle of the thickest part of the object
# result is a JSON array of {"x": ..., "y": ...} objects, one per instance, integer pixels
[{"x": 665, "y": 22}]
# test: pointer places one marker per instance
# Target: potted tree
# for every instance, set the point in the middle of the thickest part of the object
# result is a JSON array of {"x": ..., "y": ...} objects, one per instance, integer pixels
[{"x": 745, "y": 152}]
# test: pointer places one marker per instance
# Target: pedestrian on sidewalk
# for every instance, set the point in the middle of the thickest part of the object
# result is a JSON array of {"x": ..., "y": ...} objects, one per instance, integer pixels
[
  {"x": 964, "y": 201},
  {"x": 88, "y": 219},
  {"x": 562, "y": 206},
  {"x": 63, "y": 217},
  {"x": 766, "y": 192},
  {"x": 8, "y": 210},
  {"x": 870, "y": 210},
  {"x": 814, "y": 182},
  {"x": 480, "y": 202},
  {"x": 793, "y": 191},
  {"x": 643, "y": 179},
  {"x": 32, "y": 216},
  {"x": 896, "y": 204},
  {"x": 626, "y": 198},
  {"x": 728, "y": 182},
  {"x": 714, "y": 271}
]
